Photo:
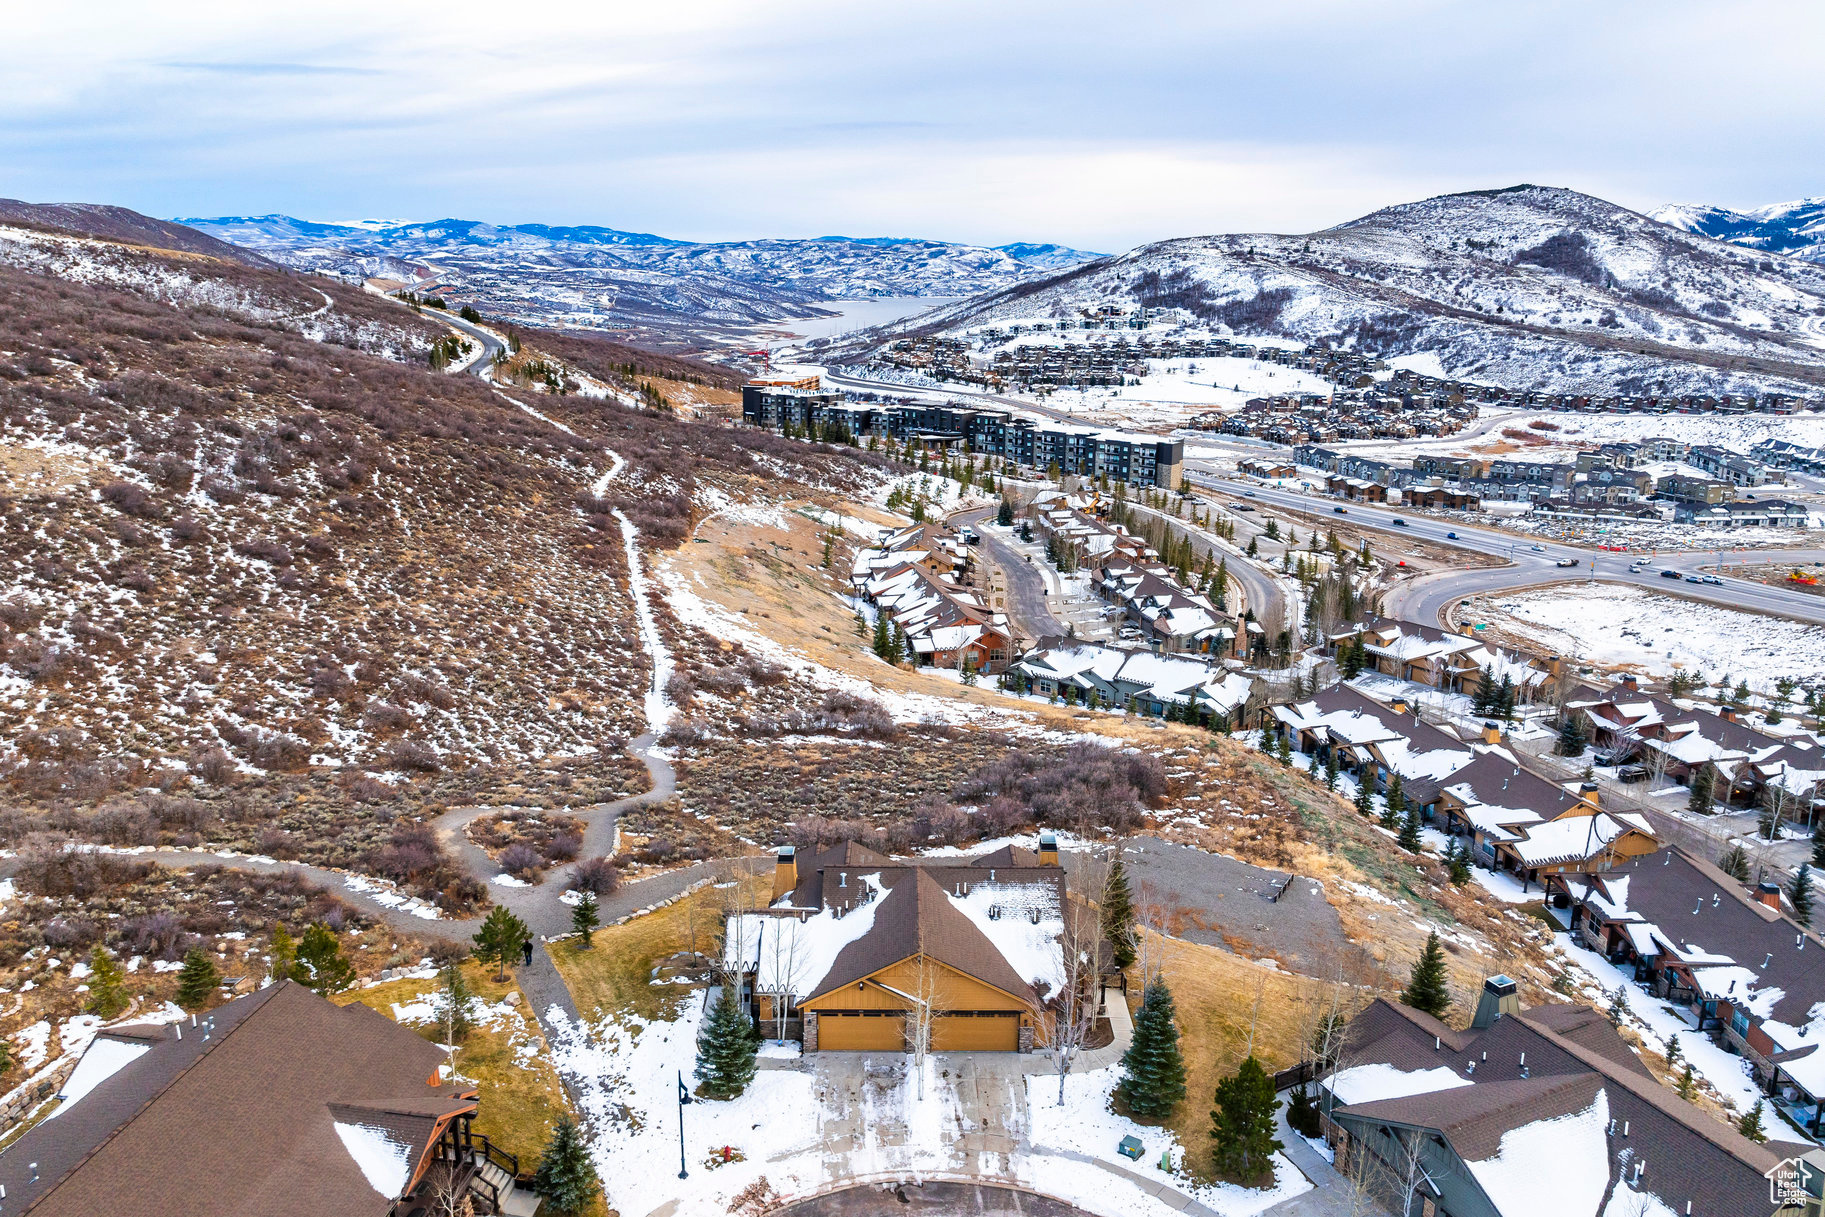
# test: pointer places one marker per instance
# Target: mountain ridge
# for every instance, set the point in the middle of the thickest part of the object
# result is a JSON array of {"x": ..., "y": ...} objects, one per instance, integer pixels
[{"x": 1796, "y": 227}]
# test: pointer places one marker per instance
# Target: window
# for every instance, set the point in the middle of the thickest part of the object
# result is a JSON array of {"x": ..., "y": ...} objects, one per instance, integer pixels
[{"x": 1739, "y": 1022}]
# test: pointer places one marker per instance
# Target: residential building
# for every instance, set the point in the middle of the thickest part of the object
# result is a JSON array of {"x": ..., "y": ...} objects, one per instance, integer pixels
[
  {"x": 275, "y": 1104},
  {"x": 1118, "y": 677}
]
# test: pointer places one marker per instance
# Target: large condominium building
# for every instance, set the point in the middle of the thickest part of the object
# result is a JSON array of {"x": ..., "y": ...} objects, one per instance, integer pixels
[{"x": 800, "y": 403}]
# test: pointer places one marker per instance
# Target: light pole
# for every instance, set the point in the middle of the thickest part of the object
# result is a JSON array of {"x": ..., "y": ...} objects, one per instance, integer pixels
[{"x": 684, "y": 1096}]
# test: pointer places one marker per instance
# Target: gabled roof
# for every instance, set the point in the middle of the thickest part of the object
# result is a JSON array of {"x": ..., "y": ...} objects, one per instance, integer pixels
[
  {"x": 238, "y": 1118},
  {"x": 917, "y": 917}
]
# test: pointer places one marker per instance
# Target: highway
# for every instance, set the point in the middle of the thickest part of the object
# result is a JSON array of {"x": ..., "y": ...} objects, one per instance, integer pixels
[{"x": 1529, "y": 562}]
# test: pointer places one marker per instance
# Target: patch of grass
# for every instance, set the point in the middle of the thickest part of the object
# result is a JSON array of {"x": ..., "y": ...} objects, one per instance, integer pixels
[
  {"x": 521, "y": 1097},
  {"x": 614, "y": 975},
  {"x": 1224, "y": 1003}
]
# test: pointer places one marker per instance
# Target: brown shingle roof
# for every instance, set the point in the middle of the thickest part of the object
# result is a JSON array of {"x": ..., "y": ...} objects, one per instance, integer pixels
[{"x": 236, "y": 1121}]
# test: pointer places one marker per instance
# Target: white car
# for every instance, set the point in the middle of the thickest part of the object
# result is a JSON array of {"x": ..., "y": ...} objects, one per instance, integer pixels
[{"x": 1538, "y": 549}]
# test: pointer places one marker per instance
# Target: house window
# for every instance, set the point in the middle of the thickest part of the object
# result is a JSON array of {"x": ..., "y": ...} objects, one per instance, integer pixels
[{"x": 1739, "y": 1022}]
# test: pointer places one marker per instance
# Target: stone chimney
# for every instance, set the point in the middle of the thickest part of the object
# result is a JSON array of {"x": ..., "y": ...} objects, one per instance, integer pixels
[
  {"x": 1492, "y": 733},
  {"x": 1048, "y": 849},
  {"x": 785, "y": 872},
  {"x": 1499, "y": 998},
  {"x": 1768, "y": 892}
]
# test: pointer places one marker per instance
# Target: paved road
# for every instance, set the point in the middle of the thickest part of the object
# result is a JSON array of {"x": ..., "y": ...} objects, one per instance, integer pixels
[
  {"x": 934, "y": 1199},
  {"x": 1260, "y": 591},
  {"x": 1029, "y": 607},
  {"x": 1529, "y": 562}
]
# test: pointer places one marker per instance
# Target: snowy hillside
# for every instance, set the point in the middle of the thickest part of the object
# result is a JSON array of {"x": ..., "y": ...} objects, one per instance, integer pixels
[
  {"x": 1532, "y": 287},
  {"x": 1796, "y": 228},
  {"x": 603, "y": 277}
]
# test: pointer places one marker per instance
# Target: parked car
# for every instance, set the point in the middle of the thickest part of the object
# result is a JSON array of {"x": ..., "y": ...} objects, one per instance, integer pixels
[
  {"x": 1568, "y": 562},
  {"x": 1243, "y": 507},
  {"x": 1631, "y": 773},
  {"x": 1399, "y": 523},
  {"x": 1342, "y": 511},
  {"x": 1669, "y": 574}
]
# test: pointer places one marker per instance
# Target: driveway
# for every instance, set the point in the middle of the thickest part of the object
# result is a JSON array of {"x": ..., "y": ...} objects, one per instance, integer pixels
[{"x": 932, "y": 1199}]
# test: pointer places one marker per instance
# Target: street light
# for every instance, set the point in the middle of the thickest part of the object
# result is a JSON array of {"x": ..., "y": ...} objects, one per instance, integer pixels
[{"x": 684, "y": 1096}]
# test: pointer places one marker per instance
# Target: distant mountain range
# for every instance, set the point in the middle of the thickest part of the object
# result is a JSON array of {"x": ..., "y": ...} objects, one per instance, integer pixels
[
  {"x": 599, "y": 277},
  {"x": 1796, "y": 228},
  {"x": 1531, "y": 287}
]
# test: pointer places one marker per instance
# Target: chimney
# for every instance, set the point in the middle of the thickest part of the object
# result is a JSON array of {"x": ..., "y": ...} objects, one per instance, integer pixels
[
  {"x": 1048, "y": 849},
  {"x": 1499, "y": 998},
  {"x": 1727, "y": 713},
  {"x": 1400, "y": 706},
  {"x": 1492, "y": 734},
  {"x": 1629, "y": 682},
  {"x": 1588, "y": 792},
  {"x": 785, "y": 872},
  {"x": 1768, "y": 892}
]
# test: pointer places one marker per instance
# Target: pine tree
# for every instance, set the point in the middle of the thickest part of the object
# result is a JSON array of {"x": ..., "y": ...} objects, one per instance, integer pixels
[
  {"x": 499, "y": 939},
  {"x": 1004, "y": 515},
  {"x": 1818, "y": 849},
  {"x": 1242, "y": 1126},
  {"x": 566, "y": 1178},
  {"x": 107, "y": 985},
  {"x": 1153, "y": 1069},
  {"x": 1365, "y": 794},
  {"x": 881, "y": 642},
  {"x": 1572, "y": 737},
  {"x": 1735, "y": 863},
  {"x": 1702, "y": 799},
  {"x": 726, "y": 1048},
  {"x": 1459, "y": 861},
  {"x": 1330, "y": 769},
  {"x": 1750, "y": 1125},
  {"x": 1426, "y": 989},
  {"x": 1409, "y": 830},
  {"x": 585, "y": 917},
  {"x": 452, "y": 1005},
  {"x": 284, "y": 952},
  {"x": 1799, "y": 892},
  {"x": 197, "y": 980},
  {"x": 1688, "y": 1085},
  {"x": 1118, "y": 915},
  {"x": 1393, "y": 803},
  {"x": 320, "y": 962}
]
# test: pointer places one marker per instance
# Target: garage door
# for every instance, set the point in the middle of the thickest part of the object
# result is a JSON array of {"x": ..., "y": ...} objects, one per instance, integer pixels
[
  {"x": 987, "y": 1032},
  {"x": 869, "y": 1032}
]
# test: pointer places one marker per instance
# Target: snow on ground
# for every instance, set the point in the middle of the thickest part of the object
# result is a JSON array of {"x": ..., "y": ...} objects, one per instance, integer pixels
[
  {"x": 1626, "y": 626},
  {"x": 384, "y": 893},
  {"x": 1658, "y": 1022},
  {"x": 1505, "y": 887},
  {"x": 1085, "y": 1124}
]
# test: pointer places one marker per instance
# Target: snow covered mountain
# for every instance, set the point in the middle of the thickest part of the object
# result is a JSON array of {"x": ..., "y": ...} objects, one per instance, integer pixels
[
  {"x": 1796, "y": 228},
  {"x": 1533, "y": 287},
  {"x": 604, "y": 277}
]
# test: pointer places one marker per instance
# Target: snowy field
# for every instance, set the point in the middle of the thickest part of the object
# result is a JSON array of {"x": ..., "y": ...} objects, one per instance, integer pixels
[{"x": 1627, "y": 627}]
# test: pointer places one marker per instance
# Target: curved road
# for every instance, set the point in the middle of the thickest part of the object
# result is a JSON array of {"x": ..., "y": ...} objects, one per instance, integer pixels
[{"x": 1028, "y": 606}]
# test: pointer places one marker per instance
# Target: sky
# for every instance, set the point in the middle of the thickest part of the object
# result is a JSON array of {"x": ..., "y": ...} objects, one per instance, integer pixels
[{"x": 1100, "y": 125}]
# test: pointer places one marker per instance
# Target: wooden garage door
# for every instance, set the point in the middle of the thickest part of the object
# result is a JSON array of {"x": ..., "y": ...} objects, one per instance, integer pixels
[
  {"x": 861, "y": 1032},
  {"x": 978, "y": 1033}
]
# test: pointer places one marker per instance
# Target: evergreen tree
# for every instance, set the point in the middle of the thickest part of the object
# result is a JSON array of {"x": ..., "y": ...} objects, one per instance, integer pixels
[
  {"x": 499, "y": 939},
  {"x": 1426, "y": 989},
  {"x": 1365, "y": 794},
  {"x": 1688, "y": 1085},
  {"x": 1505, "y": 699},
  {"x": 1459, "y": 862},
  {"x": 320, "y": 961},
  {"x": 1703, "y": 798},
  {"x": 452, "y": 1004},
  {"x": 107, "y": 985},
  {"x": 1330, "y": 769},
  {"x": 1393, "y": 804},
  {"x": 726, "y": 1048},
  {"x": 1818, "y": 849},
  {"x": 1302, "y": 1112},
  {"x": 881, "y": 642},
  {"x": 585, "y": 917},
  {"x": 1751, "y": 1125},
  {"x": 1572, "y": 737},
  {"x": 1735, "y": 863},
  {"x": 1004, "y": 515},
  {"x": 1242, "y": 1126},
  {"x": 1409, "y": 830},
  {"x": 1799, "y": 892},
  {"x": 197, "y": 980},
  {"x": 1153, "y": 1069},
  {"x": 566, "y": 1178},
  {"x": 6, "y": 1056},
  {"x": 1118, "y": 915},
  {"x": 284, "y": 952}
]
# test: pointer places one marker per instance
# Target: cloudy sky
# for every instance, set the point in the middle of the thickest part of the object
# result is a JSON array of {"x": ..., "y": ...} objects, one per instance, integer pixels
[{"x": 1100, "y": 125}]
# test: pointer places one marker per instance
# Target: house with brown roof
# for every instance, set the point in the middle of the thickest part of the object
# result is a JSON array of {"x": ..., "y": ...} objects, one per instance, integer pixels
[
  {"x": 1527, "y": 1113},
  {"x": 855, "y": 942},
  {"x": 275, "y": 1104}
]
